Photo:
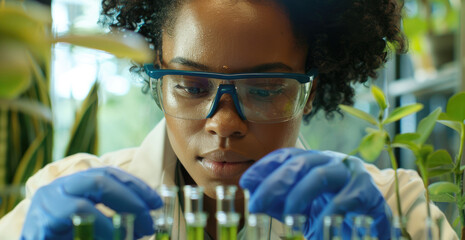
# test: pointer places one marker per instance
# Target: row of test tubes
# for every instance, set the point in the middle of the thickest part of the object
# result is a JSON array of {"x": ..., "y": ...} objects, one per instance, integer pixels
[{"x": 257, "y": 225}]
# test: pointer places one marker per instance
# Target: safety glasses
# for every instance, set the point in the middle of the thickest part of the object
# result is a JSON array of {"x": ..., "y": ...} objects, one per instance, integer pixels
[{"x": 258, "y": 97}]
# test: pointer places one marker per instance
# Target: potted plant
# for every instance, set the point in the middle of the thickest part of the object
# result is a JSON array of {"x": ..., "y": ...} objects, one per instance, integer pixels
[{"x": 430, "y": 162}]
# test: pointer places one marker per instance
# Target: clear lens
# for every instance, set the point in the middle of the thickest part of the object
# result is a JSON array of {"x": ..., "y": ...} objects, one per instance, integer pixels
[
  {"x": 260, "y": 99},
  {"x": 271, "y": 100}
]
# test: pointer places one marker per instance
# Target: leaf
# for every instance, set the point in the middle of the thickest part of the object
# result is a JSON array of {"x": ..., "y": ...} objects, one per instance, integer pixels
[
  {"x": 426, "y": 125},
  {"x": 29, "y": 107},
  {"x": 84, "y": 131},
  {"x": 28, "y": 163},
  {"x": 379, "y": 97},
  {"x": 439, "y": 158},
  {"x": 439, "y": 188},
  {"x": 358, "y": 113},
  {"x": 406, "y": 137},
  {"x": 444, "y": 119},
  {"x": 445, "y": 197},
  {"x": 26, "y": 23},
  {"x": 456, "y": 107},
  {"x": 15, "y": 71},
  {"x": 372, "y": 145},
  {"x": 434, "y": 172},
  {"x": 401, "y": 112},
  {"x": 456, "y": 221},
  {"x": 121, "y": 45}
]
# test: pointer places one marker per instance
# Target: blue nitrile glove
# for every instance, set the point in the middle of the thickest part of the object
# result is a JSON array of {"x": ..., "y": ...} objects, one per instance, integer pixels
[
  {"x": 316, "y": 184},
  {"x": 52, "y": 205}
]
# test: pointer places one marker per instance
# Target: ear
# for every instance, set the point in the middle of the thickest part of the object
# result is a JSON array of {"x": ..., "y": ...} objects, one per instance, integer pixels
[{"x": 308, "y": 105}]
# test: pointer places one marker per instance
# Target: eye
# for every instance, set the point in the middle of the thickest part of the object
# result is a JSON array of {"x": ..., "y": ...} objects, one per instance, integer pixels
[
  {"x": 192, "y": 88},
  {"x": 263, "y": 93}
]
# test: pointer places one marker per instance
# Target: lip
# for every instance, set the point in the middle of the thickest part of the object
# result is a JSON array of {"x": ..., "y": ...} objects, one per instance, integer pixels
[{"x": 224, "y": 164}]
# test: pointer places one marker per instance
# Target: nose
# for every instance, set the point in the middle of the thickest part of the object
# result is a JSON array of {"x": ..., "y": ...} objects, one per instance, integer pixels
[{"x": 226, "y": 121}]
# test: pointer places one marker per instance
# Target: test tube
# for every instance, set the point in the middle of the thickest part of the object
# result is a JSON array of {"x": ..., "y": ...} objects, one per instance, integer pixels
[
  {"x": 258, "y": 227},
  {"x": 123, "y": 226},
  {"x": 227, "y": 218},
  {"x": 163, "y": 217},
  {"x": 293, "y": 226},
  {"x": 362, "y": 227},
  {"x": 332, "y": 228},
  {"x": 396, "y": 228},
  {"x": 83, "y": 226},
  {"x": 196, "y": 218}
]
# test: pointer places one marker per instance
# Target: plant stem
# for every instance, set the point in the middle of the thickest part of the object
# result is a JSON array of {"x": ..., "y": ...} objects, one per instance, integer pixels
[
  {"x": 399, "y": 207},
  {"x": 459, "y": 181},
  {"x": 425, "y": 183}
]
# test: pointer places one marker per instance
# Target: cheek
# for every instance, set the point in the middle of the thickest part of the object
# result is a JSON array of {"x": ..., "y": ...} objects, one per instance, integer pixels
[
  {"x": 183, "y": 134},
  {"x": 275, "y": 136}
]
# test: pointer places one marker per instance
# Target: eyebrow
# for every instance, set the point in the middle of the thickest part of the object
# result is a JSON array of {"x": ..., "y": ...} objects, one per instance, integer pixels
[{"x": 266, "y": 67}]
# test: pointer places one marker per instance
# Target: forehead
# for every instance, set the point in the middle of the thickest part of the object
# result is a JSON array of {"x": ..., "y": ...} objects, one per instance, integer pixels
[{"x": 231, "y": 33}]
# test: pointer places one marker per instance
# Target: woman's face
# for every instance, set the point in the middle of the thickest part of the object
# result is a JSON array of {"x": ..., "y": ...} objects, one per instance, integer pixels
[{"x": 229, "y": 37}]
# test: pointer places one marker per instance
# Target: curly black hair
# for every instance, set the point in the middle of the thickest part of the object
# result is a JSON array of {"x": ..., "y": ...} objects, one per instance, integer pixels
[{"x": 348, "y": 39}]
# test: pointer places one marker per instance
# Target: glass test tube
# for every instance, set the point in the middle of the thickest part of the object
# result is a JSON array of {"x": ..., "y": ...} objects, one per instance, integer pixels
[
  {"x": 362, "y": 227},
  {"x": 293, "y": 226},
  {"x": 196, "y": 218},
  {"x": 332, "y": 228},
  {"x": 83, "y": 226},
  {"x": 396, "y": 232},
  {"x": 258, "y": 227},
  {"x": 163, "y": 217},
  {"x": 227, "y": 218},
  {"x": 123, "y": 226}
]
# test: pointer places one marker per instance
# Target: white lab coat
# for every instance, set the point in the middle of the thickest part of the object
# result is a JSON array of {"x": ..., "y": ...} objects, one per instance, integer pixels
[{"x": 154, "y": 162}]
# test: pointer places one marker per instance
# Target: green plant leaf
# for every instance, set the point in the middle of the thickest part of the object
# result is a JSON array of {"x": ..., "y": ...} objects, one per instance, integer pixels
[
  {"x": 434, "y": 172},
  {"x": 401, "y": 112},
  {"x": 121, "y": 45},
  {"x": 456, "y": 107},
  {"x": 358, "y": 113},
  {"x": 439, "y": 158},
  {"x": 84, "y": 132},
  {"x": 446, "y": 120},
  {"x": 27, "y": 23},
  {"x": 372, "y": 145},
  {"x": 406, "y": 137},
  {"x": 29, "y": 107},
  {"x": 425, "y": 151},
  {"x": 426, "y": 125},
  {"x": 15, "y": 71},
  {"x": 439, "y": 188},
  {"x": 407, "y": 145},
  {"x": 379, "y": 97},
  {"x": 456, "y": 221},
  {"x": 445, "y": 197}
]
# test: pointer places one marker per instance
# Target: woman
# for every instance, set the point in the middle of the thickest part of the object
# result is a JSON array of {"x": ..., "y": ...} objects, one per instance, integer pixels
[{"x": 221, "y": 127}]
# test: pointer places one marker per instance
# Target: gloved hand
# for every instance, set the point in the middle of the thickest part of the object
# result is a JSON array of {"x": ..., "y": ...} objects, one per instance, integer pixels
[
  {"x": 52, "y": 205},
  {"x": 316, "y": 184}
]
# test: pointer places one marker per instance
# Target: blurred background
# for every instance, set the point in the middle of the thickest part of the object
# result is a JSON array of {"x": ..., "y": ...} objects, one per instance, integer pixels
[{"x": 430, "y": 74}]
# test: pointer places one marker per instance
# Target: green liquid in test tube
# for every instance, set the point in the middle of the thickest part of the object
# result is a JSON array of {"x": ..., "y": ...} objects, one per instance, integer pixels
[
  {"x": 123, "y": 226},
  {"x": 228, "y": 232},
  {"x": 226, "y": 217},
  {"x": 258, "y": 227},
  {"x": 293, "y": 226},
  {"x": 83, "y": 226},
  {"x": 163, "y": 217},
  {"x": 195, "y": 233},
  {"x": 162, "y": 236},
  {"x": 196, "y": 219}
]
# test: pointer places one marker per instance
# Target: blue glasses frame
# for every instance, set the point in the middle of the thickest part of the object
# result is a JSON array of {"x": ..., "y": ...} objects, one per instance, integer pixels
[{"x": 230, "y": 89}]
